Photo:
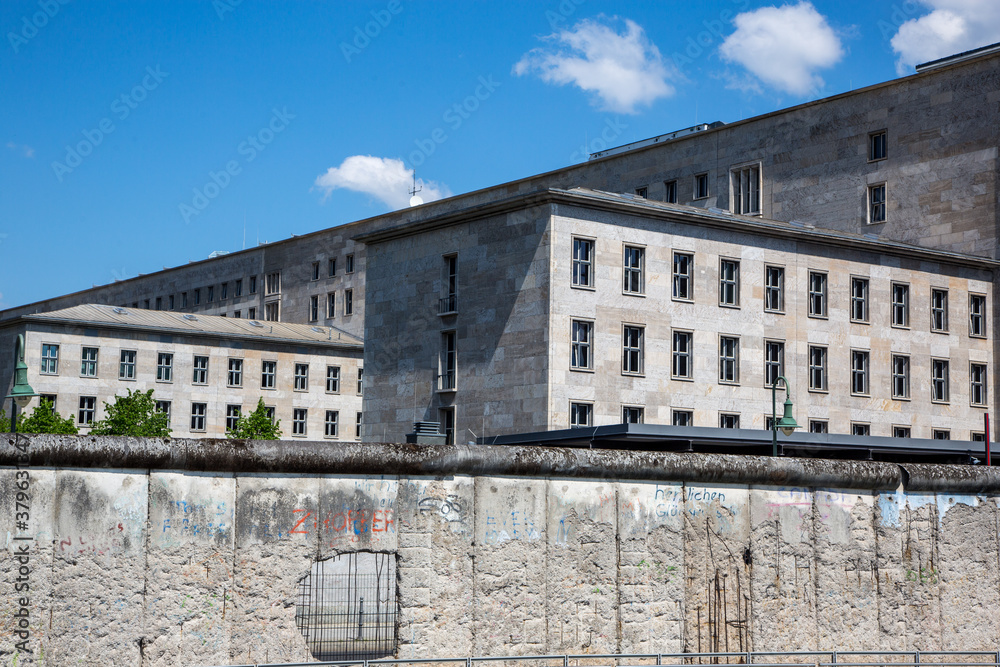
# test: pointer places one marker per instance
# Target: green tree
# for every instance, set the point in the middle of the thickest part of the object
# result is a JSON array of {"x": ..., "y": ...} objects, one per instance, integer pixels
[
  {"x": 256, "y": 426},
  {"x": 133, "y": 414},
  {"x": 4, "y": 424},
  {"x": 44, "y": 419}
]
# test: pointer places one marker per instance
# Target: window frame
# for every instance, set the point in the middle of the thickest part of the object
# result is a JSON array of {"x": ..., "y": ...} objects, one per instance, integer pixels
[
  {"x": 753, "y": 184},
  {"x": 862, "y": 301},
  {"x": 727, "y": 283},
  {"x": 582, "y": 268},
  {"x": 682, "y": 278},
  {"x": 862, "y": 373},
  {"x": 877, "y": 208},
  {"x": 634, "y": 352},
  {"x": 300, "y": 422},
  {"x": 940, "y": 382},
  {"x": 268, "y": 369},
  {"x": 872, "y": 137},
  {"x": 447, "y": 362},
  {"x": 633, "y": 274},
  {"x": 300, "y": 380},
  {"x": 85, "y": 362},
  {"x": 861, "y": 426},
  {"x": 900, "y": 377},
  {"x": 670, "y": 191},
  {"x": 818, "y": 300},
  {"x": 978, "y": 386},
  {"x": 314, "y": 308},
  {"x": 679, "y": 356},
  {"x": 688, "y": 416},
  {"x": 819, "y": 371},
  {"x": 819, "y": 426},
  {"x": 349, "y": 263},
  {"x": 88, "y": 407},
  {"x": 195, "y": 369},
  {"x": 901, "y": 431},
  {"x": 581, "y": 348},
  {"x": 575, "y": 408},
  {"x": 778, "y": 291},
  {"x": 940, "y": 434},
  {"x": 334, "y": 423},
  {"x": 348, "y": 302},
  {"x": 49, "y": 363},
  {"x": 729, "y": 360},
  {"x": 700, "y": 179},
  {"x": 899, "y": 307},
  {"x": 124, "y": 364},
  {"x": 778, "y": 364},
  {"x": 332, "y": 379},
  {"x": 234, "y": 372},
  {"x": 729, "y": 420},
  {"x": 628, "y": 410},
  {"x": 977, "y": 315},
  {"x": 164, "y": 366},
  {"x": 199, "y": 414},
  {"x": 939, "y": 312},
  {"x": 233, "y": 414}
]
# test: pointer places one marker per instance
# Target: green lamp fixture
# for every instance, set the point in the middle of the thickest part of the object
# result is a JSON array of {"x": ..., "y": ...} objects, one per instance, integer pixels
[{"x": 22, "y": 393}]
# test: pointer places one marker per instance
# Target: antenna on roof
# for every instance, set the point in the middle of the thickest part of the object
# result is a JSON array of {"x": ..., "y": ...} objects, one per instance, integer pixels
[{"x": 414, "y": 199}]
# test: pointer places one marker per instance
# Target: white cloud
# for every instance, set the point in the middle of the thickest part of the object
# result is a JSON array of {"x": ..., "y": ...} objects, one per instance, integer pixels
[
  {"x": 27, "y": 151},
  {"x": 386, "y": 179},
  {"x": 953, "y": 26},
  {"x": 783, "y": 47},
  {"x": 623, "y": 70}
]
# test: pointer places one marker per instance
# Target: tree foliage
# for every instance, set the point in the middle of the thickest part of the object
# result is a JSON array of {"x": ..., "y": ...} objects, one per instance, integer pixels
[
  {"x": 44, "y": 419},
  {"x": 4, "y": 424},
  {"x": 256, "y": 425},
  {"x": 133, "y": 414}
]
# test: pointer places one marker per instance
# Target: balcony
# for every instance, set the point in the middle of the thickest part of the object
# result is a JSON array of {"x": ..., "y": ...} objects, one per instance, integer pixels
[
  {"x": 448, "y": 305},
  {"x": 446, "y": 381}
]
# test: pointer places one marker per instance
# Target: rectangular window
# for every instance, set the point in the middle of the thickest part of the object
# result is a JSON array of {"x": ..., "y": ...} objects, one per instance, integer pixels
[
  {"x": 268, "y": 371},
  {"x": 901, "y": 431},
  {"x": 683, "y": 282},
  {"x": 900, "y": 305},
  {"x": 876, "y": 203},
  {"x": 126, "y": 367},
  {"x": 859, "y": 372},
  {"x": 333, "y": 379},
  {"x": 632, "y": 414},
  {"x": 447, "y": 370},
  {"x": 682, "y": 355},
  {"x": 583, "y": 263},
  {"x": 682, "y": 418},
  {"x": 331, "y": 267},
  {"x": 670, "y": 196},
  {"x": 357, "y": 425},
  {"x": 232, "y": 416},
  {"x": 238, "y": 288},
  {"x": 331, "y": 304},
  {"x": 859, "y": 299},
  {"x": 301, "y": 382},
  {"x": 87, "y": 410},
  {"x": 701, "y": 186},
  {"x": 817, "y": 294},
  {"x": 729, "y": 420},
  {"x": 184, "y": 299},
  {"x": 817, "y": 368},
  {"x": 348, "y": 302},
  {"x": 224, "y": 291},
  {"x": 164, "y": 407},
  {"x": 198, "y": 412},
  {"x": 642, "y": 192},
  {"x": 253, "y": 284},
  {"x": 165, "y": 367},
  {"x": 315, "y": 270},
  {"x": 632, "y": 269},
  {"x": 235, "y": 376},
  {"x": 774, "y": 289},
  {"x": 632, "y": 348},
  {"x": 272, "y": 283},
  {"x": 269, "y": 409},
  {"x": 977, "y": 315},
  {"x": 774, "y": 361},
  {"x": 331, "y": 425},
  {"x": 350, "y": 263},
  {"x": 977, "y": 384},
  {"x": 819, "y": 426},
  {"x": 50, "y": 359},
  {"x": 449, "y": 302},
  {"x": 729, "y": 359},
  {"x": 941, "y": 434},
  {"x": 746, "y": 190},
  {"x": 729, "y": 282},
  {"x": 446, "y": 416},
  {"x": 361, "y": 381},
  {"x": 252, "y": 313},
  {"x": 858, "y": 428},
  {"x": 159, "y": 303},
  {"x": 271, "y": 311},
  {"x": 211, "y": 294},
  {"x": 170, "y": 299},
  {"x": 313, "y": 308},
  {"x": 900, "y": 376},
  {"x": 299, "y": 420},
  {"x": 939, "y": 380},
  {"x": 977, "y": 436},
  {"x": 939, "y": 310},
  {"x": 877, "y": 146},
  {"x": 237, "y": 314},
  {"x": 200, "y": 370},
  {"x": 581, "y": 352},
  {"x": 197, "y": 296},
  {"x": 581, "y": 415},
  {"x": 88, "y": 362}
]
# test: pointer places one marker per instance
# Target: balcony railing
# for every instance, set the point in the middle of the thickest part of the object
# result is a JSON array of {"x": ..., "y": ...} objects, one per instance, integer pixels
[
  {"x": 446, "y": 381},
  {"x": 448, "y": 305}
]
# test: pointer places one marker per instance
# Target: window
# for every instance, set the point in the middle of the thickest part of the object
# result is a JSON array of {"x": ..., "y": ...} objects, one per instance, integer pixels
[
  {"x": 939, "y": 380},
  {"x": 197, "y": 296},
  {"x": 301, "y": 382},
  {"x": 859, "y": 372},
  {"x": 224, "y": 291},
  {"x": 350, "y": 263},
  {"x": 939, "y": 310},
  {"x": 237, "y": 314},
  {"x": 361, "y": 378},
  {"x": 184, "y": 299},
  {"x": 272, "y": 283},
  {"x": 211, "y": 294},
  {"x": 632, "y": 345},
  {"x": 581, "y": 415},
  {"x": 232, "y": 416},
  {"x": 268, "y": 371},
  {"x": 859, "y": 299},
  {"x": 331, "y": 304},
  {"x": 729, "y": 420},
  {"x": 331, "y": 425},
  {"x": 682, "y": 418},
  {"x": 977, "y": 384},
  {"x": 88, "y": 362},
  {"x": 446, "y": 362},
  {"x": 877, "y": 146},
  {"x": 819, "y": 426},
  {"x": 900, "y": 305},
  {"x": 315, "y": 271},
  {"x": 446, "y": 416},
  {"x": 632, "y": 414},
  {"x": 126, "y": 367},
  {"x": 670, "y": 196},
  {"x": 449, "y": 303},
  {"x": 348, "y": 302},
  {"x": 252, "y": 313},
  {"x": 642, "y": 192},
  {"x": 774, "y": 361},
  {"x": 941, "y": 434},
  {"x": 238, "y": 288},
  {"x": 581, "y": 352},
  {"x": 876, "y": 203},
  {"x": 681, "y": 355},
  {"x": 164, "y": 367},
  {"x": 313, "y": 308},
  {"x": 200, "y": 370},
  {"x": 159, "y": 303},
  {"x": 977, "y": 315},
  {"x": 729, "y": 359},
  {"x": 299, "y": 419},
  {"x": 858, "y": 428},
  {"x": 701, "y": 186},
  {"x": 901, "y": 431},
  {"x": 269, "y": 409},
  {"x": 817, "y": 368},
  {"x": 271, "y": 311},
  {"x": 170, "y": 299},
  {"x": 729, "y": 282},
  {"x": 87, "y": 410},
  {"x": 977, "y": 436},
  {"x": 632, "y": 269},
  {"x": 50, "y": 359},
  {"x": 583, "y": 263},
  {"x": 198, "y": 411},
  {"x": 746, "y": 190},
  {"x": 235, "y": 375},
  {"x": 357, "y": 425},
  {"x": 817, "y": 294},
  {"x": 333, "y": 379},
  {"x": 253, "y": 284},
  {"x": 900, "y": 376},
  {"x": 331, "y": 267},
  {"x": 774, "y": 289},
  {"x": 164, "y": 407},
  {"x": 683, "y": 276}
]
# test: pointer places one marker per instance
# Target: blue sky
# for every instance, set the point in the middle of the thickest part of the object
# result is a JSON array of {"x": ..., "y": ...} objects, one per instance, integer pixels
[{"x": 148, "y": 134}]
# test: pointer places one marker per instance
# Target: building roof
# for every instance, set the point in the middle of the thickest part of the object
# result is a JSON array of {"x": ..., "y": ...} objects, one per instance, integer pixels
[{"x": 163, "y": 321}]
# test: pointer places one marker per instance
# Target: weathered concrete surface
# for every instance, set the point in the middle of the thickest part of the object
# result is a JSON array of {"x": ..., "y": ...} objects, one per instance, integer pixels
[{"x": 166, "y": 567}]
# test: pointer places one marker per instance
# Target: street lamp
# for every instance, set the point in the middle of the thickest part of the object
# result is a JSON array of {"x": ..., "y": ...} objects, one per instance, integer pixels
[
  {"x": 787, "y": 422},
  {"x": 22, "y": 393}
]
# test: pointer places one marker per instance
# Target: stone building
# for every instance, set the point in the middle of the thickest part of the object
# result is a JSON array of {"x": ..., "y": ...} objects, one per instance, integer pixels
[{"x": 204, "y": 370}]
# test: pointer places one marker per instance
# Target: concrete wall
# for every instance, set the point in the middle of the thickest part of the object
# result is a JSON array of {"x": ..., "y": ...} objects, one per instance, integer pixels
[{"x": 500, "y": 550}]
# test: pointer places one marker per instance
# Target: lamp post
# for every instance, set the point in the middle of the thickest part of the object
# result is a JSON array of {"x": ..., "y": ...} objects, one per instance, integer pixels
[
  {"x": 22, "y": 393},
  {"x": 787, "y": 422}
]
